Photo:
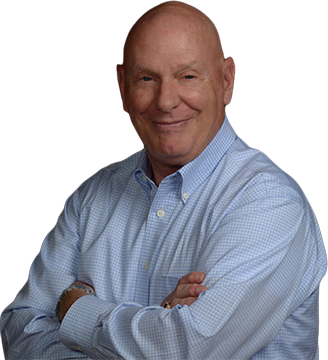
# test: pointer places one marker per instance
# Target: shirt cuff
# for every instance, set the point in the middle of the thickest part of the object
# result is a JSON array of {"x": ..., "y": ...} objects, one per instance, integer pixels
[{"x": 77, "y": 329}]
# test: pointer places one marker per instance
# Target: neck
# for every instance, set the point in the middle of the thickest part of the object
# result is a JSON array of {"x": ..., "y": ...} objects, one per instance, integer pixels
[{"x": 160, "y": 170}]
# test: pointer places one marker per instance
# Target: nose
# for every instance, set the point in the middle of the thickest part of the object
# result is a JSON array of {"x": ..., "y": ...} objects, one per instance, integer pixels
[{"x": 168, "y": 97}]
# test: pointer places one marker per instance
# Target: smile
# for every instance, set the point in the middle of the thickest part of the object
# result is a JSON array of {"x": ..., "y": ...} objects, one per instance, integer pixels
[{"x": 171, "y": 125}]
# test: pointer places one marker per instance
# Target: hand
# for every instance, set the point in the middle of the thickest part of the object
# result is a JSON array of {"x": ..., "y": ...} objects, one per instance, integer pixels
[
  {"x": 187, "y": 290},
  {"x": 70, "y": 298}
]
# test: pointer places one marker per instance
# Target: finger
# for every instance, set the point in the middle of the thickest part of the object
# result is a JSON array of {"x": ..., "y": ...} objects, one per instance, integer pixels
[
  {"x": 169, "y": 298},
  {"x": 185, "y": 301},
  {"x": 193, "y": 277},
  {"x": 184, "y": 291}
]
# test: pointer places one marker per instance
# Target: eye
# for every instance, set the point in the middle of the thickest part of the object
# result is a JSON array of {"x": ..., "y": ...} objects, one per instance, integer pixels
[
  {"x": 189, "y": 77},
  {"x": 146, "y": 78}
]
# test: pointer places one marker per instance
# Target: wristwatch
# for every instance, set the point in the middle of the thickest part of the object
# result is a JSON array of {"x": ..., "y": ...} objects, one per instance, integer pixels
[{"x": 72, "y": 287}]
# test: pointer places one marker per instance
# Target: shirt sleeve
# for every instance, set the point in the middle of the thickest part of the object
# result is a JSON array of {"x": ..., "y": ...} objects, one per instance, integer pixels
[
  {"x": 29, "y": 327},
  {"x": 262, "y": 262}
]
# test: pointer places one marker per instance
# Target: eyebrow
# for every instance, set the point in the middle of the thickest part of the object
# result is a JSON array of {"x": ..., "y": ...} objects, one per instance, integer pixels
[
  {"x": 180, "y": 68},
  {"x": 187, "y": 66}
]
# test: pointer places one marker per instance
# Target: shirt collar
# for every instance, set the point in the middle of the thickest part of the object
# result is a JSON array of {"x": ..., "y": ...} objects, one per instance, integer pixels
[
  {"x": 143, "y": 173},
  {"x": 196, "y": 171}
]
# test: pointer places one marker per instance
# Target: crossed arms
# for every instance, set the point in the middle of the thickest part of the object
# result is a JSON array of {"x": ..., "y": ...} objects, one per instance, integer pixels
[
  {"x": 249, "y": 294},
  {"x": 185, "y": 293}
]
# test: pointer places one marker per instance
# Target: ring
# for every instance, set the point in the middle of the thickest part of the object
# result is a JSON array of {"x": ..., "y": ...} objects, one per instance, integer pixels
[{"x": 167, "y": 305}]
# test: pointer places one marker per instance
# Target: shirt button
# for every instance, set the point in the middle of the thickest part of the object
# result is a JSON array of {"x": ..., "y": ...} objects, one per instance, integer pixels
[
  {"x": 160, "y": 213},
  {"x": 146, "y": 265},
  {"x": 144, "y": 178},
  {"x": 185, "y": 196}
]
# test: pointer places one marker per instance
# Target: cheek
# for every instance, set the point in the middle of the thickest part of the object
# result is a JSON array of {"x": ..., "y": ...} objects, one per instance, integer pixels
[
  {"x": 141, "y": 100},
  {"x": 197, "y": 99}
]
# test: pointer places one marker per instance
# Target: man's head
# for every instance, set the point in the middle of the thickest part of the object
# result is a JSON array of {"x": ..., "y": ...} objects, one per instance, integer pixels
[{"x": 175, "y": 83}]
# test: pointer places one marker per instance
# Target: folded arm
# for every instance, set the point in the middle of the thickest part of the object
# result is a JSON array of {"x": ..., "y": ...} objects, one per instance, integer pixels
[
  {"x": 253, "y": 286},
  {"x": 185, "y": 293},
  {"x": 29, "y": 326},
  {"x": 270, "y": 267}
]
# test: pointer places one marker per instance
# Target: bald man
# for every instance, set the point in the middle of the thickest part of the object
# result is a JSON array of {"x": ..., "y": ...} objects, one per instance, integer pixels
[{"x": 196, "y": 247}]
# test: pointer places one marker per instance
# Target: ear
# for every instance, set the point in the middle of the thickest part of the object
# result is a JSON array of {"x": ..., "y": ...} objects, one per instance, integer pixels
[
  {"x": 121, "y": 83},
  {"x": 228, "y": 79}
]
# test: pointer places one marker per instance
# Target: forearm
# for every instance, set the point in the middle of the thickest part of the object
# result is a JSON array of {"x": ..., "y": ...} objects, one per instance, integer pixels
[
  {"x": 128, "y": 330},
  {"x": 29, "y": 327},
  {"x": 248, "y": 299},
  {"x": 203, "y": 330},
  {"x": 29, "y": 334}
]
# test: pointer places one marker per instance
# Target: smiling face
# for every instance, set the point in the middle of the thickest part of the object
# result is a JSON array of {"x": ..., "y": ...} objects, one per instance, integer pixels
[{"x": 173, "y": 87}]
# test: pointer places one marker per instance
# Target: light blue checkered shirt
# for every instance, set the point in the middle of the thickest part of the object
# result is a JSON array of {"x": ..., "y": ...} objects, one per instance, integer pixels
[{"x": 230, "y": 213}]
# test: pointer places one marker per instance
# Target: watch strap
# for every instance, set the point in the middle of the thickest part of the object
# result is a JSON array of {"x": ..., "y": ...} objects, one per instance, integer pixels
[{"x": 72, "y": 287}]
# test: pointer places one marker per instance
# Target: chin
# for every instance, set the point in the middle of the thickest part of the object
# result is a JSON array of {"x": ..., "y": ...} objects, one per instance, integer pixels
[
  {"x": 173, "y": 151},
  {"x": 175, "y": 158}
]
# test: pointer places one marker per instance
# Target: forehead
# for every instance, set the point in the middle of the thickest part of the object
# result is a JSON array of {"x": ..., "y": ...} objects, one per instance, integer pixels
[
  {"x": 170, "y": 39},
  {"x": 171, "y": 28}
]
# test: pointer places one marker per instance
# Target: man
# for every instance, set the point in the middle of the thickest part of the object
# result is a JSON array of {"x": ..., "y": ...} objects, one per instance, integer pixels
[{"x": 197, "y": 205}]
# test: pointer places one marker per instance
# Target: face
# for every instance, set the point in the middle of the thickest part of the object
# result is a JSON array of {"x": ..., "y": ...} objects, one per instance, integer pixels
[{"x": 175, "y": 90}]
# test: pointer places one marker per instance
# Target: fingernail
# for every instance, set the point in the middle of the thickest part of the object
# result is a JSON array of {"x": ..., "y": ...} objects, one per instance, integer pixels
[{"x": 200, "y": 289}]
